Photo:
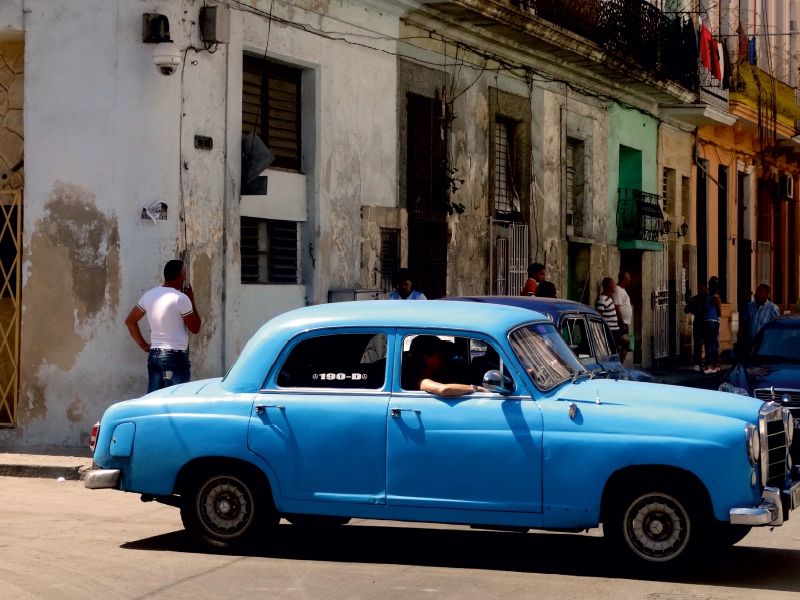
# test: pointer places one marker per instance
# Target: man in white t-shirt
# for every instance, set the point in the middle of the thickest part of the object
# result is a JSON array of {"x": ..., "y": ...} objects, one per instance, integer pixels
[
  {"x": 172, "y": 314},
  {"x": 622, "y": 302}
]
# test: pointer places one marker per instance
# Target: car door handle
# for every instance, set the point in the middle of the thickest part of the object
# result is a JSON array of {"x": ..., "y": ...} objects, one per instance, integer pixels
[
  {"x": 260, "y": 408},
  {"x": 395, "y": 412}
]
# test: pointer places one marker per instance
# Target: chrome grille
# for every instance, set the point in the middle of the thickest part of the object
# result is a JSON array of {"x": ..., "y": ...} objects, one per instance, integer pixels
[
  {"x": 777, "y": 395},
  {"x": 772, "y": 428}
]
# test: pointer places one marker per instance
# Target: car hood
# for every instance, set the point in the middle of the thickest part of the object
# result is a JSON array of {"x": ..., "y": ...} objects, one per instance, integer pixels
[
  {"x": 754, "y": 376},
  {"x": 656, "y": 396}
]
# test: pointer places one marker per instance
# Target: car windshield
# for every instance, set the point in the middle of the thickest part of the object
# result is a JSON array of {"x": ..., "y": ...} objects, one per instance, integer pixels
[
  {"x": 544, "y": 355},
  {"x": 779, "y": 344}
]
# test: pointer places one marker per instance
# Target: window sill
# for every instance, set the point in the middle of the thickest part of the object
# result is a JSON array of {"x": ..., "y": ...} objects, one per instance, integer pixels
[{"x": 580, "y": 240}]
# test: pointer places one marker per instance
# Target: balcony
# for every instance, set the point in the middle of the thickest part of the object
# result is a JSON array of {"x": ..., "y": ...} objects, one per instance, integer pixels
[
  {"x": 629, "y": 43},
  {"x": 639, "y": 220},
  {"x": 752, "y": 87}
]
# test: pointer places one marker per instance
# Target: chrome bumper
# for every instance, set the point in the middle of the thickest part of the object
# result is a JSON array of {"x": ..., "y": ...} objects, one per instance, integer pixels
[
  {"x": 101, "y": 479},
  {"x": 773, "y": 510}
]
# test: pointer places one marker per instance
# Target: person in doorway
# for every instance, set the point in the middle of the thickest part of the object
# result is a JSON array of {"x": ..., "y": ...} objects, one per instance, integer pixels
[
  {"x": 605, "y": 306},
  {"x": 172, "y": 314},
  {"x": 622, "y": 304},
  {"x": 428, "y": 356},
  {"x": 536, "y": 274},
  {"x": 759, "y": 312},
  {"x": 546, "y": 289},
  {"x": 696, "y": 307},
  {"x": 404, "y": 288},
  {"x": 711, "y": 314}
]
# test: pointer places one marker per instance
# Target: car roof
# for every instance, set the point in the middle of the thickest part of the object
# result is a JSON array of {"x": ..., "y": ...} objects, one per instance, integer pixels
[
  {"x": 542, "y": 305},
  {"x": 401, "y": 313}
]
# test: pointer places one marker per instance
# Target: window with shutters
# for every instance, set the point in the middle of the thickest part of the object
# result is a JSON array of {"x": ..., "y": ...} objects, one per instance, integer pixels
[
  {"x": 506, "y": 199},
  {"x": 269, "y": 251},
  {"x": 271, "y": 96}
]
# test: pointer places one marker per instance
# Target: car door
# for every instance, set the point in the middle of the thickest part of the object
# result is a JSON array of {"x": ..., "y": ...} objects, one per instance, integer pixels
[
  {"x": 479, "y": 451},
  {"x": 320, "y": 419}
]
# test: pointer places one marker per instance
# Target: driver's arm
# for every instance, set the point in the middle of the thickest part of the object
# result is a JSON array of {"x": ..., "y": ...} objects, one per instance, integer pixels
[{"x": 447, "y": 390}]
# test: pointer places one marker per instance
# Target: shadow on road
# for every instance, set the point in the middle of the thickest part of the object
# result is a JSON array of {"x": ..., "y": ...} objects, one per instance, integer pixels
[{"x": 540, "y": 552}]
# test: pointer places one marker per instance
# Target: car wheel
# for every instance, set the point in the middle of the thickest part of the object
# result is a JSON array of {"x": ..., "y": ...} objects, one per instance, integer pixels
[
  {"x": 316, "y": 520},
  {"x": 660, "y": 529},
  {"x": 226, "y": 509}
]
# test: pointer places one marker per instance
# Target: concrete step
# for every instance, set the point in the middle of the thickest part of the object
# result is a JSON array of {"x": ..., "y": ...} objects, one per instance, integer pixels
[{"x": 48, "y": 466}]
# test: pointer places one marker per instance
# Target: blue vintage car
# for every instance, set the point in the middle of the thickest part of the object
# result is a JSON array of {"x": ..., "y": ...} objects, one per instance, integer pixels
[
  {"x": 581, "y": 326},
  {"x": 321, "y": 419}
]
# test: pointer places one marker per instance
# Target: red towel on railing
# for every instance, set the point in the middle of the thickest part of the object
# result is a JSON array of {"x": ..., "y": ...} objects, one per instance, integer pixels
[
  {"x": 705, "y": 46},
  {"x": 716, "y": 67}
]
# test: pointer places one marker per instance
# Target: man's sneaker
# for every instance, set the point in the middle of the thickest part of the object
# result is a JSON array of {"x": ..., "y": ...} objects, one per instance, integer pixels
[
  {"x": 716, "y": 368},
  {"x": 708, "y": 370},
  {"x": 697, "y": 368}
]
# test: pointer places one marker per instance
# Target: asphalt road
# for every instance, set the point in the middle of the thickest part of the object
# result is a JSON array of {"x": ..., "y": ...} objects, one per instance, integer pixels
[{"x": 58, "y": 540}]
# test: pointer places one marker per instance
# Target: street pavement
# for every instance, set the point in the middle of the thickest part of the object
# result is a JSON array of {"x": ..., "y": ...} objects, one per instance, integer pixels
[{"x": 59, "y": 540}]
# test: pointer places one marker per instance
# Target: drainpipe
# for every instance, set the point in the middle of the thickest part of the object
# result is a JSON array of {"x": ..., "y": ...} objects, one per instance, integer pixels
[
  {"x": 491, "y": 253},
  {"x": 697, "y": 159}
]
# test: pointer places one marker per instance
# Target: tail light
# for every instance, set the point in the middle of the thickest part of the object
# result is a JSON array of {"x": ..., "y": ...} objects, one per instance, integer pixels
[{"x": 93, "y": 439}]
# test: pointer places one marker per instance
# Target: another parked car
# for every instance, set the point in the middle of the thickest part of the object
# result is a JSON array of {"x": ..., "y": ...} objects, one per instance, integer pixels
[
  {"x": 771, "y": 370},
  {"x": 581, "y": 326},
  {"x": 321, "y": 420}
]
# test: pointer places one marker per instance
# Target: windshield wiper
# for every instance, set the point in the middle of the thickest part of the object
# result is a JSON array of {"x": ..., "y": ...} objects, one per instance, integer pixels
[{"x": 577, "y": 374}]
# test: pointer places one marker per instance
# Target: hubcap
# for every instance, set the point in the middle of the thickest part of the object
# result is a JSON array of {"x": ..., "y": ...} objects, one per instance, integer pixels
[
  {"x": 225, "y": 507},
  {"x": 656, "y": 527}
]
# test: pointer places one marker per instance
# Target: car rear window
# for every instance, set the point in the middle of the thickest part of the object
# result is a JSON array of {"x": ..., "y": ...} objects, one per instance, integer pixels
[{"x": 340, "y": 361}]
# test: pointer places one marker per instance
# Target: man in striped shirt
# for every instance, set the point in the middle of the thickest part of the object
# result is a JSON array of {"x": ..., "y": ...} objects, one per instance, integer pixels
[{"x": 608, "y": 310}]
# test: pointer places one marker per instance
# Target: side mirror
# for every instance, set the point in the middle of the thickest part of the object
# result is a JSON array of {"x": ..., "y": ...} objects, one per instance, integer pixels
[{"x": 495, "y": 381}]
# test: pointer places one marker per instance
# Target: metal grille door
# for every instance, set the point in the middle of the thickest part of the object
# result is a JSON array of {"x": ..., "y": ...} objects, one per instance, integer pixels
[
  {"x": 517, "y": 258},
  {"x": 427, "y": 198},
  {"x": 501, "y": 285},
  {"x": 661, "y": 306},
  {"x": 11, "y": 212}
]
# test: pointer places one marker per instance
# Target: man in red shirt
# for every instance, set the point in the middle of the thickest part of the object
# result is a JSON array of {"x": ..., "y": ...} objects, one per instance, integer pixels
[{"x": 536, "y": 275}]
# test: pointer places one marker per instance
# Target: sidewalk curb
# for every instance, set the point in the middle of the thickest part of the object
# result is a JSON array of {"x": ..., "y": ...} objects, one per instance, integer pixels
[{"x": 72, "y": 473}]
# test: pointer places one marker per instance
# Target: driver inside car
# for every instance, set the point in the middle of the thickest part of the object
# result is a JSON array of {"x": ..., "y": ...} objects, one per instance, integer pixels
[{"x": 428, "y": 361}]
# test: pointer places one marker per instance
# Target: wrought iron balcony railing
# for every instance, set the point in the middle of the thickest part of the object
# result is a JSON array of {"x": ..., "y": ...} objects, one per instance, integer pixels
[
  {"x": 635, "y": 29},
  {"x": 639, "y": 216}
]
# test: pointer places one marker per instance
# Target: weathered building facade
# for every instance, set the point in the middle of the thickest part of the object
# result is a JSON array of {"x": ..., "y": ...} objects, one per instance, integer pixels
[{"x": 461, "y": 139}]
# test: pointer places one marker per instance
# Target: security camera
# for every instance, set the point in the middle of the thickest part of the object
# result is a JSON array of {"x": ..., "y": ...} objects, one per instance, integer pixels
[{"x": 166, "y": 58}]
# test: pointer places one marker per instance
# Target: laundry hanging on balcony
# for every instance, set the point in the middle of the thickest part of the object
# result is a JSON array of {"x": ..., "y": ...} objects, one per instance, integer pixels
[
  {"x": 716, "y": 63},
  {"x": 704, "y": 44}
]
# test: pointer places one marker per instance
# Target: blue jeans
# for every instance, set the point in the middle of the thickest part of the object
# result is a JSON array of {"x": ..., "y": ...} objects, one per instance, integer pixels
[
  {"x": 711, "y": 342},
  {"x": 166, "y": 368}
]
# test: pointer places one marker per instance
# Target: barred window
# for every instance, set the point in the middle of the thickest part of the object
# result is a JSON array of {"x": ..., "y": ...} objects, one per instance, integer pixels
[
  {"x": 390, "y": 257},
  {"x": 272, "y": 92},
  {"x": 506, "y": 200},
  {"x": 269, "y": 251}
]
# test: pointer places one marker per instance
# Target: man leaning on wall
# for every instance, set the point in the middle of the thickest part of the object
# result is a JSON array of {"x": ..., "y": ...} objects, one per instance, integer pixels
[{"x": 172, "y": 314}]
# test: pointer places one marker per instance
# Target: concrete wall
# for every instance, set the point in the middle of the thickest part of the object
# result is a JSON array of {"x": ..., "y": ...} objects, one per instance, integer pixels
[{"x": 105, "y": 134}]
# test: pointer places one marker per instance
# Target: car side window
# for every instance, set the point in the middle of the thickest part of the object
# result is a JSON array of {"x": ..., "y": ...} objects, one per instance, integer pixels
[
  {"x": 339, "y": 361},
  {"x": 464, "y": 360},
  {"x": 574, "y": 333},
  {"x": 601, "y": 337}
]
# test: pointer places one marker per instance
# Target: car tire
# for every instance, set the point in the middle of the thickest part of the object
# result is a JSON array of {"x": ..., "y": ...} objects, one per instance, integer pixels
[
  {"x": 311, "y": 521},
  {"x": 662, "y": 528},
  {"x": 227, "y": 509}
]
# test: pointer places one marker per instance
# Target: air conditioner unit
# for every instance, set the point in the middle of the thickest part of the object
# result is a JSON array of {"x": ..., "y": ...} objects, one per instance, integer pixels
[{"x": 785, "y": 186}]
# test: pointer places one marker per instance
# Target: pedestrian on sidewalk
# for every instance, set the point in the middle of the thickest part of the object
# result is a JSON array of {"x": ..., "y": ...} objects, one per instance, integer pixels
[
  {"x": 605, "y": 306},
  {"x": 172, "y": 314},
  {"x": 404, "y": 288},
  {"x": 622, "y": 303},
  {"x": 536, "y": 275},
  {"x": 696, "y": 308},
  {"x": 711, "y": 314},
  {"x": 759, "y": 312}
]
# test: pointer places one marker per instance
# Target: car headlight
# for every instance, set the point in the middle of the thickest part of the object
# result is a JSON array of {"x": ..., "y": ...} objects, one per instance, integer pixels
[
  {"x": 732, "y": 389},
  {"x": 753, "y": 443}
]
